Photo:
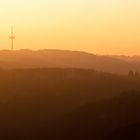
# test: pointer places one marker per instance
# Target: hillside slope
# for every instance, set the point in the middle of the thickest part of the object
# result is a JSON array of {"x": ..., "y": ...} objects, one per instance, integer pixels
[
  {"x": 32, "y": 101},
  {"x": 113, "y": 119},
  {"x": 65, "y": 59}
]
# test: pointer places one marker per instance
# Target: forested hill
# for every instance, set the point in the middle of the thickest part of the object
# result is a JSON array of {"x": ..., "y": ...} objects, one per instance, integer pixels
[
  {"x": 66, "y": 59},
  {"x": 115, "y": 119},
  {"x": 79, "y": 84},
  {"x": 34, "y": 101}
]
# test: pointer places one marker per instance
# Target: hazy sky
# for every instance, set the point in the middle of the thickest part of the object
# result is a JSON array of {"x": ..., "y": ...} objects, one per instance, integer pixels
[{"x": 98, "y": 26}]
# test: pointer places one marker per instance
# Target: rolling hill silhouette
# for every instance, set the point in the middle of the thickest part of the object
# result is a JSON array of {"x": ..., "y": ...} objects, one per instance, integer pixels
[
  {"x": 65, "y": 104},
  {"x": 115, "y": 119},
  {"x": 131, "y": 132},
  {"x": 65, "y": 59}
]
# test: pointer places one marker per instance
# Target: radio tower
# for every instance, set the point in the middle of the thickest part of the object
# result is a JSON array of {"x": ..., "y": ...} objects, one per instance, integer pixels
[{"x": 12, "y": 37}]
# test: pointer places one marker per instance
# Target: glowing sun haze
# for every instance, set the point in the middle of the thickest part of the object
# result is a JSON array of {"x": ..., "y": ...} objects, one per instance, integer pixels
[{"x": 97, "y": 26}]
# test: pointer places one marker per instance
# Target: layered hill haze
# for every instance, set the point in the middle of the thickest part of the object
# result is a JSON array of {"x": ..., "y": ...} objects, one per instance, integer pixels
[
  {"x": 67, "y": 104},
  {"x": 66, "y": 59}
]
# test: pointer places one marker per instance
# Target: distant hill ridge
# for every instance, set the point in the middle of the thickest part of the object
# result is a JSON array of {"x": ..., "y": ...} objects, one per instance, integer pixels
[{"x": 21, "y": 59}]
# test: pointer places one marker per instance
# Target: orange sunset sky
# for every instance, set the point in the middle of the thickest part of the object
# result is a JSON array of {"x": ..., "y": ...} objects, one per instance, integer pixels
[{"x": 97, "y": 26}]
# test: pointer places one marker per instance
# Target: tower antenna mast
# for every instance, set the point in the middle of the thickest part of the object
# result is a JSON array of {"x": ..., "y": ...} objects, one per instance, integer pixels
[{"x": 12, "y": 37}]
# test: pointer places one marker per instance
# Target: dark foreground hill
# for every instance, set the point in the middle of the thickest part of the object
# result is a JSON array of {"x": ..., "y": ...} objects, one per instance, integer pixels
[
  {"x": 66, "y": 59},
  {"x": 115, "y": 119},
  {"x": 60, "y": 104},
  {"x": 130, "y": 132}
]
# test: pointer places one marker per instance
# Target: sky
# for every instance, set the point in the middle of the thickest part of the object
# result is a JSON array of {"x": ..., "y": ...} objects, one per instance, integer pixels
[{"x": 96, "y": 26}]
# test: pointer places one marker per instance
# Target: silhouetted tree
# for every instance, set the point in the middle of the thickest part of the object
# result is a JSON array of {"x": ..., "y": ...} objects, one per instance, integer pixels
[
  {"x": 136, "y": 73},
  {"x": 131, "y": 73}
]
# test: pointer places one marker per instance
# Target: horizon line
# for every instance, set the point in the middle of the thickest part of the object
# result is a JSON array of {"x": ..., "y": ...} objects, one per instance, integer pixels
[{"x": 134, "y": 55}]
